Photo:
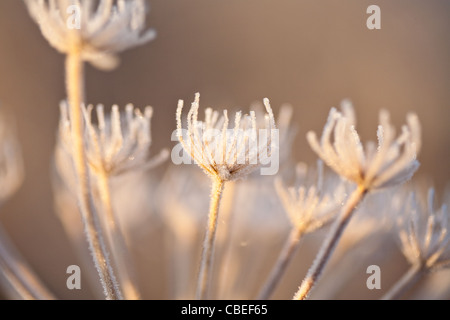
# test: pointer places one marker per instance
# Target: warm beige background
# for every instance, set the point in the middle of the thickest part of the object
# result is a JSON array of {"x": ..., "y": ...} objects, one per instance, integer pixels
[{"x": 311, "y": 54}]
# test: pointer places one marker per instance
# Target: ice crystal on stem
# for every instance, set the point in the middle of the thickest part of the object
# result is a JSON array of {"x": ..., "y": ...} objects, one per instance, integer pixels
[
  {"x": 104, "y": 29},
  {"x": 393, "y": 162}
]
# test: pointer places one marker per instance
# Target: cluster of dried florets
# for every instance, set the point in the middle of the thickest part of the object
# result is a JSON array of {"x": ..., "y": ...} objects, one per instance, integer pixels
[
  {"x": 223, "y": 153},
  {"x": 116, "y": 144},
  {"x": 392, "y": 162},
  {"x": 101, "y": 30}
]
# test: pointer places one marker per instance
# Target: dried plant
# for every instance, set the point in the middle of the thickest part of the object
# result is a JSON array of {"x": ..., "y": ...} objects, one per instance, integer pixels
[
  {"x": 102, "y": 32},
  {"x": 115, "y": 146},
  {"x": 366, "y": 241},
  {"x": 224, "y": 156},
  {"x": 309, "y": 208},
  {"x": 425, "y": 240},
  {"x": 391, "y": 163},
  {"x": 255, "y": 225}
]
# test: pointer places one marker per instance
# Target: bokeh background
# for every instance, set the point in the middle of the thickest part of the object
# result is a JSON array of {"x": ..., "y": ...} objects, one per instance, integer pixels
[{"x": 311, "y": 54}]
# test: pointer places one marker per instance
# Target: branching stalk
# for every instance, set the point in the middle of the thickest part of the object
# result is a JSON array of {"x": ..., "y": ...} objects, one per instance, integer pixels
[
  {"x": 75, "y": 93},
  {"x": 330, "y": 243},
  {"x": 208, "y": 244},
  {"x": 120, "y": 253}
]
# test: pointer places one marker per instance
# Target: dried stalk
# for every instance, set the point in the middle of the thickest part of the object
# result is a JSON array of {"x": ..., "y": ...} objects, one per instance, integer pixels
[
  {"x": 75, "y": 93},
  {"x": 414, "y": 274},
  {"x": 330, "y": 243},
  {"x": 120, "y": 253},
  {"x": 208, "y": 244}
]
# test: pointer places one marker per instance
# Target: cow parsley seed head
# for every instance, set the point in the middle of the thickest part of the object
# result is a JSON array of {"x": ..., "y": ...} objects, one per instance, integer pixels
[
  {"x": 118, "y": 143},
  {"x": 104, "y": 28},
  {"x": 312, "y": 203},
  {"x": 227, "y": 154},
  {"x": 392, "y": 162},
  {"x": 424, "y": 232}
]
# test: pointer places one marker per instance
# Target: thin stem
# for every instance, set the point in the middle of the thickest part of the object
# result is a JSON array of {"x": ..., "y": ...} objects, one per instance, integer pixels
[
  {"x": 414, "y": 274},
  {"x": 75, "y": 92},
  {"x": 18, "y": 274},
  {"x": 330, "y": 243},
  {"x": 284, "y": 258},
  {"x": 208, "y": 244},
  {"x": 120, "y": 253}
]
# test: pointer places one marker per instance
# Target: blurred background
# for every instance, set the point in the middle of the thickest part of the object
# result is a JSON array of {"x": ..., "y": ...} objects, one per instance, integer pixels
[{"x": 311, "y": 54}]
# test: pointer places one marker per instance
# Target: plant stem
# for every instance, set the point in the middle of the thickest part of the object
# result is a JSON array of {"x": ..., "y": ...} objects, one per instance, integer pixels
[
  {"x": 18, "y": 274},
  {"x": 208, "y": 243},
  {"x": 330, "y": 243},
  {"x": 120, "y": 253},
  {"x": 75, "y": 93},
  {"x": 414, "y": 274},
  {"x": 284, "y": 258}
]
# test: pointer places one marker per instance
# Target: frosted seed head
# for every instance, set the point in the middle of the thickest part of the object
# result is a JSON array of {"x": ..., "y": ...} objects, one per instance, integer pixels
[
  {"x": 307, "y": 206},
  {"x": 100, "y": 31},
  {"x": 394, "y": 161},
  {"x": 228, "y": 153},
  {"x": 118, "y": 143},
  {"x": 423, "y": 230}
]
